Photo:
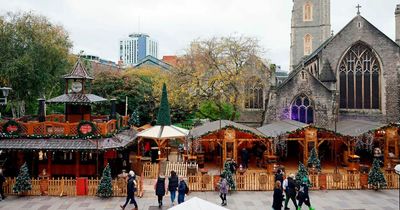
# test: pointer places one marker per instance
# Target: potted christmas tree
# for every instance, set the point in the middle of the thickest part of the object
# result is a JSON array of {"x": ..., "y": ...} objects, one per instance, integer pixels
[
  {"x": 228, "y": 175},
  {"x": 104, "y": 190},
  {"x": 313, "y": 161},
  {"x": 375, "y": 176},
  {"x": 301, "y": 174},
  {"x": 23, "y": 183}
]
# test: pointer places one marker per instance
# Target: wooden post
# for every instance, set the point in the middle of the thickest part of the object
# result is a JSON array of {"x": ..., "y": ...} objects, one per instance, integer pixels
[
  {"x": 49, "y": 157},
  {"x": 77, "y": 163}
]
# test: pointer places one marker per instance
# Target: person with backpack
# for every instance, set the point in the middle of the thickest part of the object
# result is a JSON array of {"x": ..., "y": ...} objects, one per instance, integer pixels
[
  {"x": 182, "y": 190},
  {"x": 223, "y": 189},
  {"x": 160, "y": 187},
  {"x": 290, "y": 190},
  {"x": 131, "y": 188},
  {"x": 303, "y": 195},
  {"x": 173, "y": 186}
]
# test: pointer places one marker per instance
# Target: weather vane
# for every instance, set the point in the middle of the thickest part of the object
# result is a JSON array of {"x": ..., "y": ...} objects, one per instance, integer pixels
[{"x": 358, "y": 9}]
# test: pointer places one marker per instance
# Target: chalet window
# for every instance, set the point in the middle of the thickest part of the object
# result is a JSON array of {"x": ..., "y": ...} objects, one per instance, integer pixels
[
  {"x": 302, "y": 110},
  {"x": 308, "y": 12},
  {"x": 359, "y": 73},
  {"x": 307, "y": 44},
  {"x": 254, "y": 94}
]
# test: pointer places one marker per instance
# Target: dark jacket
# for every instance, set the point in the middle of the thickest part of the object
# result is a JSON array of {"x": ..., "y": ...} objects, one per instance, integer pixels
[
  {"x": 131, "y": 186},
  {"x": 160, "y": 186},
  {"x": 278, "y": 199},
  {"x": 245, "y": 155},
  {"x": 291, "y": 188},
  {"x": 303, "y": 192},
  {"x": 182, "y": 187},
  {"x": 279, "y": 177},
  {"x": 172, "y": 183}
]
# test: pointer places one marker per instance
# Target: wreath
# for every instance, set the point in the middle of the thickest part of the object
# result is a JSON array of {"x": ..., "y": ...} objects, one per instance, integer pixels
[
  {"x": 12, "y": 127},
  {"x": 86, "y": 129},
  {"x": 262, "y": 179}
]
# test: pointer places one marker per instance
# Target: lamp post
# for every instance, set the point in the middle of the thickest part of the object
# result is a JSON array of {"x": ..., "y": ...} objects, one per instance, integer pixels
[
  {"x": 397, "y": 170},
  {"x": 219, "y": 131}
]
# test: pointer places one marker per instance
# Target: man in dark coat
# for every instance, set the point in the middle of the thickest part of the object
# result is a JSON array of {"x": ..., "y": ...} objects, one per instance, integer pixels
[
  {"x": 290, "y": 190},
  {"x": 279, "y": 176},
  {"x": 303, "y": 195},
  {"x": 160, "y": 189},
  {"x": 245, "y": 158},
  {"x": 131, "y": 188}
]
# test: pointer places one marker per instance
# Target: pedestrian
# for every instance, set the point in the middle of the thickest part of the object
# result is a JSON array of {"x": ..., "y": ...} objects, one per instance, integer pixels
[
  {"x": 131, "y": 189},
  {"x": 278, "y": 196},
  {"x": 173, "y": 186},
  {"x": 290, "y": 190},
  {"x": 160, "y": 187},
  {"x": 303, "y": 196},
  {"x": 245, "y": 158},
  {"x": 2, "y": 181},
  {"x": 279, "y": 176},
  {"x": 223, "y": 189},
  {"x": 182, "y": 190}
]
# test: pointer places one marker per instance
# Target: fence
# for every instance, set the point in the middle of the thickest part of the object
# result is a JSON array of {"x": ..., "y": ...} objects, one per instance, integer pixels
[
  {"x": 180, "y": 168},
  {"x": 67, "y": 186},
  {"x": 150, "y": 171}
]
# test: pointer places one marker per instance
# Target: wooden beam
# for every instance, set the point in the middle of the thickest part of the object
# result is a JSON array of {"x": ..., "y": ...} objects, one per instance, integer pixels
[{"x": 319, "y": 143}]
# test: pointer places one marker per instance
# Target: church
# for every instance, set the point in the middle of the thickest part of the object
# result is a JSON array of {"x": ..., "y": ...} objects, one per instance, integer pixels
[{"x": 353, "y": 74}]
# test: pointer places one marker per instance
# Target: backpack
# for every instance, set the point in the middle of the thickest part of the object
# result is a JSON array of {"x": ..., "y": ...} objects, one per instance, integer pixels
[{"x": 186, "y": 189}]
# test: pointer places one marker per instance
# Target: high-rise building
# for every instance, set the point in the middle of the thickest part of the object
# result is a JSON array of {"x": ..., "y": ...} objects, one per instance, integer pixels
[
  {"x": 311, "y": 26},
  {"x": 136, "y": 47}
]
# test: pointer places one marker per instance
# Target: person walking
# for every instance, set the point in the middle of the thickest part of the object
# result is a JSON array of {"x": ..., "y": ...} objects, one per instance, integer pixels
[
  {"x": 173, "y": 186},
  {"x": 279, "y": 176},
  {"x": 182, "y": 190},
  {"x": 245, "y": 158},
  {"x": 131, "y": 188},
  {"x": 160, "y": 187},
  {"x": 303, "y": 195},
  {"x": 2, "y": 181},
  {"x": 223, "y": 189},
  {"x": 278, "y": 196},
  {"x": 290, "y": 191}
]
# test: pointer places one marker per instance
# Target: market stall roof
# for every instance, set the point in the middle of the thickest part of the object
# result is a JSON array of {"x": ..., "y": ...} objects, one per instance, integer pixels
[
  {"x": 196, "y": 203},
  {"x": 76, "y": 98},
  {"x": 163, "y": 132},
  {"x": 356, "y": 127},
  {"x": 280, "y": 127},
  {"x": 120, "y": 140},
  {"x": 209, "y": 127}
]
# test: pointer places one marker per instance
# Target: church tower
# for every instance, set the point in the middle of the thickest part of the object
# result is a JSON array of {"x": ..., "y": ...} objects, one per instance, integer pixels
[{"x": 311, "y": 26}]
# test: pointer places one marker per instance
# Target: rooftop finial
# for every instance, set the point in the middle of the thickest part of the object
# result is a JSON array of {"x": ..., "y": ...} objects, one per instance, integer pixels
[{"x": 358, "y": 9}]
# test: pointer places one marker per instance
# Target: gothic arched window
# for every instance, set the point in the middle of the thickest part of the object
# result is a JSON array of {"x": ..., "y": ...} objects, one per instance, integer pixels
[
  {"x": 307, "y": 44},
  {"x": 359, "y": 73},
  {"x": 254, "y": 94},
  {"x": 302, "y": 110},
  {"x": 308, "y": 12}
]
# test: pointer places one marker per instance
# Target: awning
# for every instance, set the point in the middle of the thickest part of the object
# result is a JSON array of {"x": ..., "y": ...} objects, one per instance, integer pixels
[
  {"x": 210, "y": 127},
  {"x": 120, "y": 140},
  {"x": 76, "y": 98},
  {"x": 356, "y": 127},
  {"x": 196, "y": 203},
  {"x": 164, "y": 132},
  {"x": 277, "y": 128}
]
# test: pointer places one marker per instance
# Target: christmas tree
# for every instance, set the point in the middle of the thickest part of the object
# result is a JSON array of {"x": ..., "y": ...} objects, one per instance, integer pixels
[
  {"x": 301, "y": 174},
  {"x": 228, "y": 175},
  {"x": 313, "y": 160},
  {"x": 164, "y": 117},
  {"x": 375, "y": 176},
  {"x": 104, "y": 190},
  {"x": 23, "y": 182}
]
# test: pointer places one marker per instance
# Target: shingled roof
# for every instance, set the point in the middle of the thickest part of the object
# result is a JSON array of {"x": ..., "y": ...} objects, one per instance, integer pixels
[
  {"x": 76, "y": 98},
  {"x": 327, "y": 74},
  {"x": 78, "y": 72}
]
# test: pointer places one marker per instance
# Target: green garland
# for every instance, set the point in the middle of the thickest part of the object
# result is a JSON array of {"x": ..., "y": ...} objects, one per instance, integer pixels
[
  {"x": 87, "y": 135},
  {"x": 12, "y": 123}
]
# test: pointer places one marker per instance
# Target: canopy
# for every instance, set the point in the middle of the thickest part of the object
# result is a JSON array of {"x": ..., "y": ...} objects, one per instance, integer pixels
[
  {"x": 210, "y": 127},
  {"x": 277, "y": 128},
  {"x": 356, "y": 127},
  {"x": 196, "y": 203},
  {"x": 163, "y": 132}
]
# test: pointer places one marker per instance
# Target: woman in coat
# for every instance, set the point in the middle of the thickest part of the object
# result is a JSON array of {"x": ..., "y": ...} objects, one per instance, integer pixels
[
  {"x": 160, "y": 187},
  {"x": 278, "y": 196},
  {"x": 173, "y": 185},
  {"x": 223, "y": 189},
  {"x": 182, "y": 190}
]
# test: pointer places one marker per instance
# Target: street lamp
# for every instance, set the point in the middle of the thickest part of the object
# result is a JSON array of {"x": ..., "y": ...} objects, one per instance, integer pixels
[{"x": 397, "y": 170}]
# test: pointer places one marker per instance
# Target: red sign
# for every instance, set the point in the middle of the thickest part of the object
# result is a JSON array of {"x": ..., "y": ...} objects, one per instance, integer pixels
[
  {"x": 85, "y": 128},
  {"x": 12, "y": 128}
]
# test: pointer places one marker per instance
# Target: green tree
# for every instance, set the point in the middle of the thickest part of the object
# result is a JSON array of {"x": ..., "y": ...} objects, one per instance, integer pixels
[
  {"x": 104, "y": 190},
  {"x": 228, "y": 175},
  {"x": 313, "y": 160},
  {"x": 375, "y": 176},
  {"x": 23, "y": 182},
  {"x": 164, "y": 115},
  {"x": 34, "y": 55},
  {"x": 301, "y": 174},
  {"x": 210, "y": 110}
]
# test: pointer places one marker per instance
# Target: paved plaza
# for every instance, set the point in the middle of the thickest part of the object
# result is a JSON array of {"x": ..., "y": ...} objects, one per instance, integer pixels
[{"x": 322, "y": 200}]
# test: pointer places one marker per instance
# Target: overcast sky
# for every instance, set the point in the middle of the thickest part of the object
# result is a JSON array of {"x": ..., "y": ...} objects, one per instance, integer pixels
[{"x": 96, "y": 26}]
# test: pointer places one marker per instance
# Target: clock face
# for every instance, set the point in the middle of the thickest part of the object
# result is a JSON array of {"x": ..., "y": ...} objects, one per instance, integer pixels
[{"x": 76, "y": 87}]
